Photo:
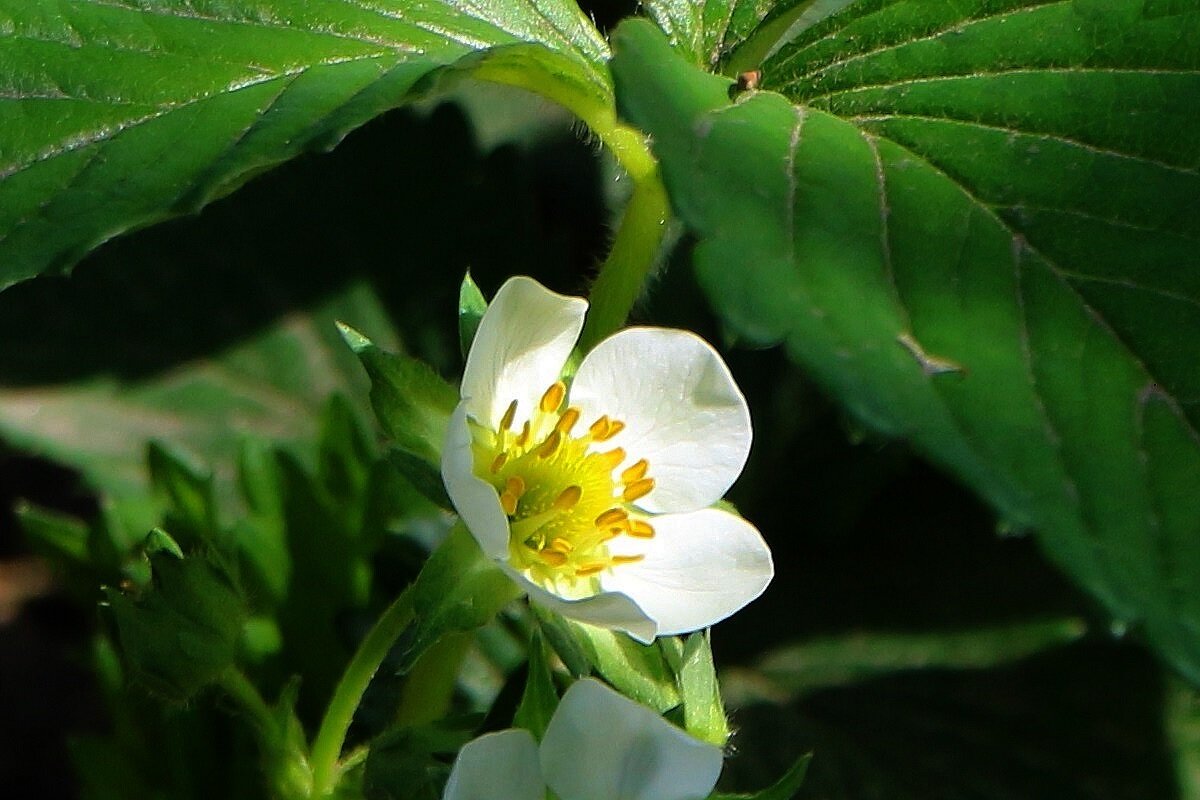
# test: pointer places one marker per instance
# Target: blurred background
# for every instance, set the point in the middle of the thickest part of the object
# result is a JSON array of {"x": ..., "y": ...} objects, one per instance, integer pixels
[{"x": 917, "y": 648}]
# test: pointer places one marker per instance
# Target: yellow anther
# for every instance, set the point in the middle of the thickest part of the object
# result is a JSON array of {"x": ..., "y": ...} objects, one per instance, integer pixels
[
  {"x": 599, "y": 428},
  {"x": 588, "y": 569},
  {"x": 640, "y": 529},
  {"x": 616, "y": 560},
  {"x": 515, "y": 486},
  {"x": 509, "y": 503},
  {"x": 638, "y": 489},
  {"x": 524, "y": 435},
  {"x": 553, "y": 397},
  {"x": 612, "y": 458},
  {"x": 614, "y": 427},
  {"x": 553, "y": 557},
  {"x": 499, "y": 461},
  {"x": 509, "y": 415},
  {"x": 636, "y": 472},
  {"x": 550, "y": 446},
  {"x": 613, "y": 532},
  {"x": 560, "y": 545},
  {"x": 611, "y": 517},
  {"x": 567, "y": 498},
  {"x": 567, "y": 421}
]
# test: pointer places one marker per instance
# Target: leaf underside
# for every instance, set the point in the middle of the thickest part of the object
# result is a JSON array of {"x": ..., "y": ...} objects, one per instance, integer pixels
[{"x": 975, "y": 223}]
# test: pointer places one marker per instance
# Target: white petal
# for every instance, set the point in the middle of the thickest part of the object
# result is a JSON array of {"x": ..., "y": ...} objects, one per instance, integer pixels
[
  {"x": 475, "y": 500},
  {"x": 522, "y": 343},
  {"x": 699, "y": 568},
  {"x": 602, "y": 746},
  {"x": 497, "y": 766},
  {"x": 605, "y": 610},
  {"x": 682, "y": 411}
]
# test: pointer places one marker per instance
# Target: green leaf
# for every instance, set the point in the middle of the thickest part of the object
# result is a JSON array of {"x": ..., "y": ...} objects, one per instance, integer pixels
[
  {"x": 57, "y": 536},
  {"x": 970, "y": 223},
  {"x": 703, "y": 710},
  {"x": 412, "y": 403},
  {"x": 809, "y": 666},
  {"x": 181, "y": 633},
  {"x": 188, "y": 494},
  {"x": 99, "y": 96},
  {"x": 412, "y": 763},
  {"x": 706, "y": 32},
  {"x": 783, "y": 789},
  {"x": 540, "y": 698},
  {"x": 471, "y": 305}
]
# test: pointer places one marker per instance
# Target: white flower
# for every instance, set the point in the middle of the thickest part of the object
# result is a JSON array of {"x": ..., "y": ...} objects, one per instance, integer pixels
[
  {"x": 596, "y": 499},
  {"x": 598, "y": 746}
]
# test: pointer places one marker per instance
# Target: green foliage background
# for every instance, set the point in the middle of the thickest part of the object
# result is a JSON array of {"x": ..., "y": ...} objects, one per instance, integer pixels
[{"x": 970, "y": 225}]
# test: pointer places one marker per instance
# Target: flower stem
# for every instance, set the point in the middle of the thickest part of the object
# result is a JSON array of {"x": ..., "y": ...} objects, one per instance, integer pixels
[
  {"x": 633, "y": 254},
  {"x": 244, "y": 693},
  {"x": 327, "y": 746}
]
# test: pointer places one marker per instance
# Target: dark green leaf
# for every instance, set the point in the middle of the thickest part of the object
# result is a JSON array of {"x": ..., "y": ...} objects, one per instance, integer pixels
[
  {"x": 188, "y": 494},
  {"x": 181, "y": 633},
  {"x": 972, "y": 230},
  {"x": 708, "y": 31},
  {"x": 99, "y": 97},
  {"x": 413, "y": 763},
  {"x": 58, "y": 536},
  {"x": 540, "y": 697}
]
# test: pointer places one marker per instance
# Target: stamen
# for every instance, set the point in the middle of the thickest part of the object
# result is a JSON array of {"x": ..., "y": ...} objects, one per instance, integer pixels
[
  {"x": 498, "y": 462},
  {"x": 567, "y": 498},
  {"x": 640, "y": 528},
  {"x": 611, "y": 517},
  {"x": 524, "y": 436},
  {"x": 612, "y": 458},
  {"x": 615, "y": 427},
  {"x": 626, "y": 559},
  {"x": 560, "y": 545},
  {"x": 550, "y": 446},
  {"x": 613, "y": 533},
  {"x": 567, "y": 421},
  {"x": 553, "y": 557},
  {"x": 636, "y": 472},
  {"x": 509, "y": 503},
  {"x": 553, "y": 397},
  {"x": 599, "y": 428},
  {"x": 515, "y": 486},
  {"x": 509, "y": 415},
  {"x": 588, "y": 569},
  {"x": 638, "y": 489}
]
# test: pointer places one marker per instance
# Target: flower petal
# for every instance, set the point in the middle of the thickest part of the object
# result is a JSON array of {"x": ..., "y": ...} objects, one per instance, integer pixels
[
  {"x": 602, "y": 746},
  {"x": 682, "y": 411},
  {"x": 497, "y": 766},
  {"x": 699, "y": 568},
  {"x": 605, "y": 610},
  {"x": 476, "y": 500},
  {"x": 520, "y": 348}
]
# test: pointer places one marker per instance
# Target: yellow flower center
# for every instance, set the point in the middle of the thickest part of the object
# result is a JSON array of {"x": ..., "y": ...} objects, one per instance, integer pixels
[{"x": 564, "y": 497}]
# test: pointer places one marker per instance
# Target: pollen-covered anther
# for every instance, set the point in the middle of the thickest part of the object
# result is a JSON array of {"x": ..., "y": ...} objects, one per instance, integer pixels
[
  {"x": 611, "y": 517},
  {"x": 560, "y": 545},
  {"x": 553, "y": 398},
  {"x": 611, "y": 458},
  {"x": 567, "y": 421},
  {"x": 552, "y": 557},
  {"x": 605, "y": 428},
  {"x": 510, "y": 414},
  {"x": 636, "y": 472},
  {"x": 584, "y": 570},
  {"x": 568, "y": 498},
  {"x": 638, "y": 489},
  {"x": 523, "y": 438},
  {"x": 498, "y": 462},
  {"x": 618, "y": 560},
  {"x": 550, "y": 446},
  {"x": 514, "y": 487},
  {"x": 640, "y": 529}
]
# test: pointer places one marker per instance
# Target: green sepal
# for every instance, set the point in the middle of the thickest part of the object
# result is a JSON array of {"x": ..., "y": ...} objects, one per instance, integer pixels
[
  {"x": 459, "y": 589},
  {"x": 540, "y": 698},
  {"x": 563, "y": 641},
  {"x": 425, "y": 477},
  {"x": 182, "y": 631},
  {"x": 783, "y": 789},
  {"x": 412, "y": 403},
  {"x": 285, "y": 760},
  {"x": 471, "y": 305},
  {"x": 188, "y": 492},
  {"x": 639, "y": 671},
  {"x": 703, "y": 711}
]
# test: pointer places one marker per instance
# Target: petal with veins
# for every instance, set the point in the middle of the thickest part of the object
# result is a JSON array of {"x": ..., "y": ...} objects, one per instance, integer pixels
[
  {"x": 522, "y": 343},
  {"x": 682, "y": 411}
]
